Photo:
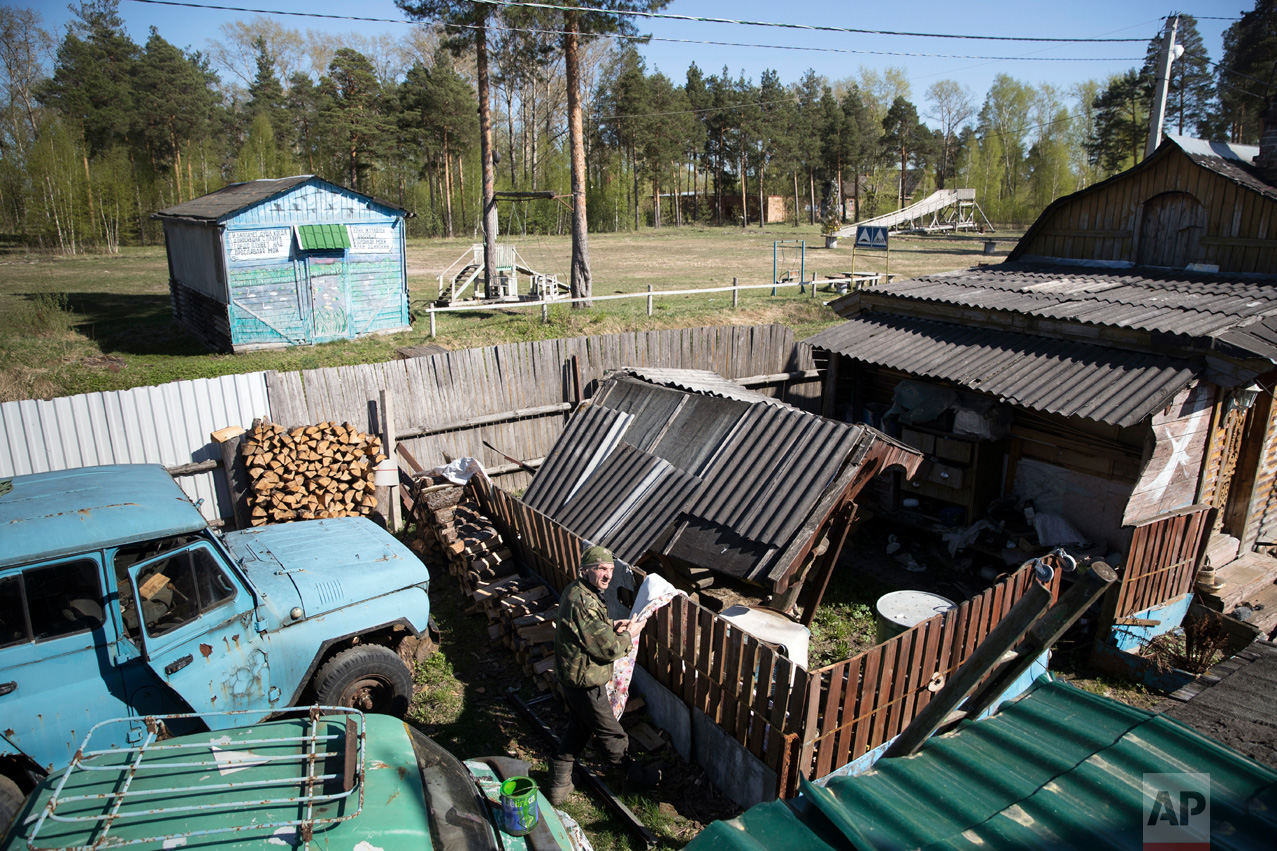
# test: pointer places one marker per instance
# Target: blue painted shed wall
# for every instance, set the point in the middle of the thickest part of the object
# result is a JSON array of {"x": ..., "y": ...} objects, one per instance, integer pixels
[{"x": 273, "y": 302}]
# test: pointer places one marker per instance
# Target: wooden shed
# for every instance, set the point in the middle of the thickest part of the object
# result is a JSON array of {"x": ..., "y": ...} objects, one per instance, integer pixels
[
  {"x": 273, "y": 263},
  {"x": 1118, "y": 370}
]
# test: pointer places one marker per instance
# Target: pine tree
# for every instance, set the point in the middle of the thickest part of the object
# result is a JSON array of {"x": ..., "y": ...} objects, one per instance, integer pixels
[
  {"x": 1121, "y": 123},
  {"x": 351, "y": 115},
  {"x": 1246, "y": 72}
]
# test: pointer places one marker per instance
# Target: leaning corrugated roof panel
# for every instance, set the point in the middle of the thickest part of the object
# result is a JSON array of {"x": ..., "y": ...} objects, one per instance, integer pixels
[{"x": 590, "y": 430}]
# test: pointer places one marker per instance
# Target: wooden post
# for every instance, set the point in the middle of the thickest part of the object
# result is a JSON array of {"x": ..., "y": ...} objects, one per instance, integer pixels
[
  {"x": 853, "y": 262},
  {"x": 829, "y": 392},
  {"x": 649, "y": 299},
  {"x": 228, "y": 441},
  {"x": 432, "y": 321},
  {"x": 545, "y": 312},
  {"x": 391, "y": 509},
  {"x": 735, "y": 295}
]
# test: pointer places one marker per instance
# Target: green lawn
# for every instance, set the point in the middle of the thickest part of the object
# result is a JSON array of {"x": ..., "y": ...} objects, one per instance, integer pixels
[{"x": 103, "y": 322}]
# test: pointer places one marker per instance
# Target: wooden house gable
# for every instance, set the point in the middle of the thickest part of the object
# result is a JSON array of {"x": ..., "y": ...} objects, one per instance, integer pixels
[{"x": 1169, "y": 211}]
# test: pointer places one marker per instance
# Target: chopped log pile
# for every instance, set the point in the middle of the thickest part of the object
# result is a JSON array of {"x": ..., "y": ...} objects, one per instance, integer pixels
[
  {"x": 310, "y": 472},
  {"x": 520, "y": 609}
]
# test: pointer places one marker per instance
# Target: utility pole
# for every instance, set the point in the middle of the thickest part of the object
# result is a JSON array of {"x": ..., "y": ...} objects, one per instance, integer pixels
[{"x": 1170, "y": 52}]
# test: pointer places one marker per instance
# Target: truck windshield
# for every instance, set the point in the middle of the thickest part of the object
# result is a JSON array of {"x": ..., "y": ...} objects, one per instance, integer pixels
[{"x": 458, "y": 815}]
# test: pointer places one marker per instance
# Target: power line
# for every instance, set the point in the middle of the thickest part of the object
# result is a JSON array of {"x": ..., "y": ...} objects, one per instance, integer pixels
[
  {"x": 804, "y": 48},
  {"x": 812, "y": 27}
]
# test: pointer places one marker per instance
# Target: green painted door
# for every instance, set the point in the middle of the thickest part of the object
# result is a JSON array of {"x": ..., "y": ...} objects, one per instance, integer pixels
[{"x": 329, "y": 297}]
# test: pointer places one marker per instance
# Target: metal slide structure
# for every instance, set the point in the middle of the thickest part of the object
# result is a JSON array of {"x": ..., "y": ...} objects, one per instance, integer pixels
[
  {"x": 511, "y": 268},
  {"x": 942, "y": 211}
]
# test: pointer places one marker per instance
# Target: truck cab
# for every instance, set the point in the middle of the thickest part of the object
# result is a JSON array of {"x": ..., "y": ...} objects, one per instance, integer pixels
[{"x": 117, "y": 599}]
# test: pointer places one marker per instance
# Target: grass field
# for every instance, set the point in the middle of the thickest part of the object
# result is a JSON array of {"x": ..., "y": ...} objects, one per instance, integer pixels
[{"x": 103, "y": 322}]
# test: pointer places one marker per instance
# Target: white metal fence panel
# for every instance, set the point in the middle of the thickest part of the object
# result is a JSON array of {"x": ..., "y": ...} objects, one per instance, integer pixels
[{"x": 169, "y": 424}]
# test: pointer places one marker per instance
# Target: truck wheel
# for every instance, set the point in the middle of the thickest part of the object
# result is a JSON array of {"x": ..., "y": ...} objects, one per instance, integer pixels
[
  {"x": 369, "y": 677},
  {"x": 11, "y": 799}
]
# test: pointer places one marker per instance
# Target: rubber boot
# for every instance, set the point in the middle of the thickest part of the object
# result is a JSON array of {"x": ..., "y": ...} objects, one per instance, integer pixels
[{"x": 560, "y": 781}]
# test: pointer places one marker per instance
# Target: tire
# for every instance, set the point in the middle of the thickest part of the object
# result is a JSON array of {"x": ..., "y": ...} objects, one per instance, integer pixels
[
  {"x": 11, "y": 799},
  {"x": 369, "y": 678}
]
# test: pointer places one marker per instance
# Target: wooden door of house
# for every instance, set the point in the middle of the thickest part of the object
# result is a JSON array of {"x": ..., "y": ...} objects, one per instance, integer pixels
[
  {"x": 1171, "y": 228},
  {"x": 329, "y": 297}
]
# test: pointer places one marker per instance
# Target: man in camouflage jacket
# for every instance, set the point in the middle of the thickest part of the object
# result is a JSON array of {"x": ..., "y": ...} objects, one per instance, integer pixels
[{"x": 586, "y": 643}]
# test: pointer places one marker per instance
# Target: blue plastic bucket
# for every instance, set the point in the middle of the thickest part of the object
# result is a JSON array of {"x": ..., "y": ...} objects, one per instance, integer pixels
[{"x": 519, "y": 812}]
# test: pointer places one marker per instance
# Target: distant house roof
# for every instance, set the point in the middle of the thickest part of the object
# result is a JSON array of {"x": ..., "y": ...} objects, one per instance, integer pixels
[
  {"x": 225, "y": 202},
  {"x": 1233, "y": 162},
  {"x": 1058, "y": 768},
  {"x": 1108, "y": 344},
  {"x": 684, "y": 463}
]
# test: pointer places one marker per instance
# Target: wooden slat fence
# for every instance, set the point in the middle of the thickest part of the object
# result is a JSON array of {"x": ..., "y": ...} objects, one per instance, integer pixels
[
  {"x": 1162, "y": 561},
  {"x": 544, "y": 546},
  {"x": 856, "y": 705},
  {"x": 798, "y": 722},
  {"x": 444, "y": 391},
  {"x": 749, "y": 689}
]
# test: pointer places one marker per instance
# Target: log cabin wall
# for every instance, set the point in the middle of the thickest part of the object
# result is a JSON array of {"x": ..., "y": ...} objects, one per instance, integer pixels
[{"x": 1168, "y": 211}]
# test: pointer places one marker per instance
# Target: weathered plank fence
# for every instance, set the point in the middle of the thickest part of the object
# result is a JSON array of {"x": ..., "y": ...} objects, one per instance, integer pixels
[
  {"x": 1163, "y": 558},
  {"x": 517, "y": 396},
  {"x": 799, "y": 723}
]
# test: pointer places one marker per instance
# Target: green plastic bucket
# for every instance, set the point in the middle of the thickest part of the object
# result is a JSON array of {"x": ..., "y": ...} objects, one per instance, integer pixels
[{"x": 519, "y": 812}]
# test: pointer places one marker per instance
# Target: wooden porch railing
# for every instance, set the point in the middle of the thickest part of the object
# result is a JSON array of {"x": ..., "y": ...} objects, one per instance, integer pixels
[{"x": 1163, "y": 558}]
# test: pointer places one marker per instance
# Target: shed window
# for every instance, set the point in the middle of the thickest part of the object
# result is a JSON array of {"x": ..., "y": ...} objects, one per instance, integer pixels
[{"x": 323, "y": 237}]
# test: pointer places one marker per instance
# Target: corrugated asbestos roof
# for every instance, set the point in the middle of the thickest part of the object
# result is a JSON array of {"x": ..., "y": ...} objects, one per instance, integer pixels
[
  {"x": 1195, "y": 305},
  {"x": 652, "y": 467},
  {"x": 231, "y": 199},
  {"x": 1060, "y": 768},
  {"x": 700, "y": 381},
  {"x": 1235, "y": 162},
  {"x": 1053, "y": 375}
]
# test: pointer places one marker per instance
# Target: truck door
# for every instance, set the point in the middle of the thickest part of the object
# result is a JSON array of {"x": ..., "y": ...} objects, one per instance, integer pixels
[
  {"x": 198, "y": 635},
  {"x": 57, "y": 675}
]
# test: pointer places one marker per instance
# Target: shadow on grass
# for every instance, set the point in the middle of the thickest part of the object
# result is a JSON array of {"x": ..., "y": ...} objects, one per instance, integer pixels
[{"x": 136, "y": 324}]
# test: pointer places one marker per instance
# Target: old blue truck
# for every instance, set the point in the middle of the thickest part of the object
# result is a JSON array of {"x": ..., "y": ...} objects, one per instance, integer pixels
[{"x": 117, "y": 599}]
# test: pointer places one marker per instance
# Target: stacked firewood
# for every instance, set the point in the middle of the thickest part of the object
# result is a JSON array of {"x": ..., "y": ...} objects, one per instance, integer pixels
[
  {"x": 520, "y": 609},
  {"x": 310, "y": 472}
]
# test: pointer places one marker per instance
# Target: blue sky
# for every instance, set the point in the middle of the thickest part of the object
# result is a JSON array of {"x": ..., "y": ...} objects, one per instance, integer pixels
[{"x": 1069, "y": 18}]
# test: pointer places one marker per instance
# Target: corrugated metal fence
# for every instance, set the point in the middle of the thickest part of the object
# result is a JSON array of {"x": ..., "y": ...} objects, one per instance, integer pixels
[
  {"x": 168, "y": 424},
  {"x": 514, "y": 396}
]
